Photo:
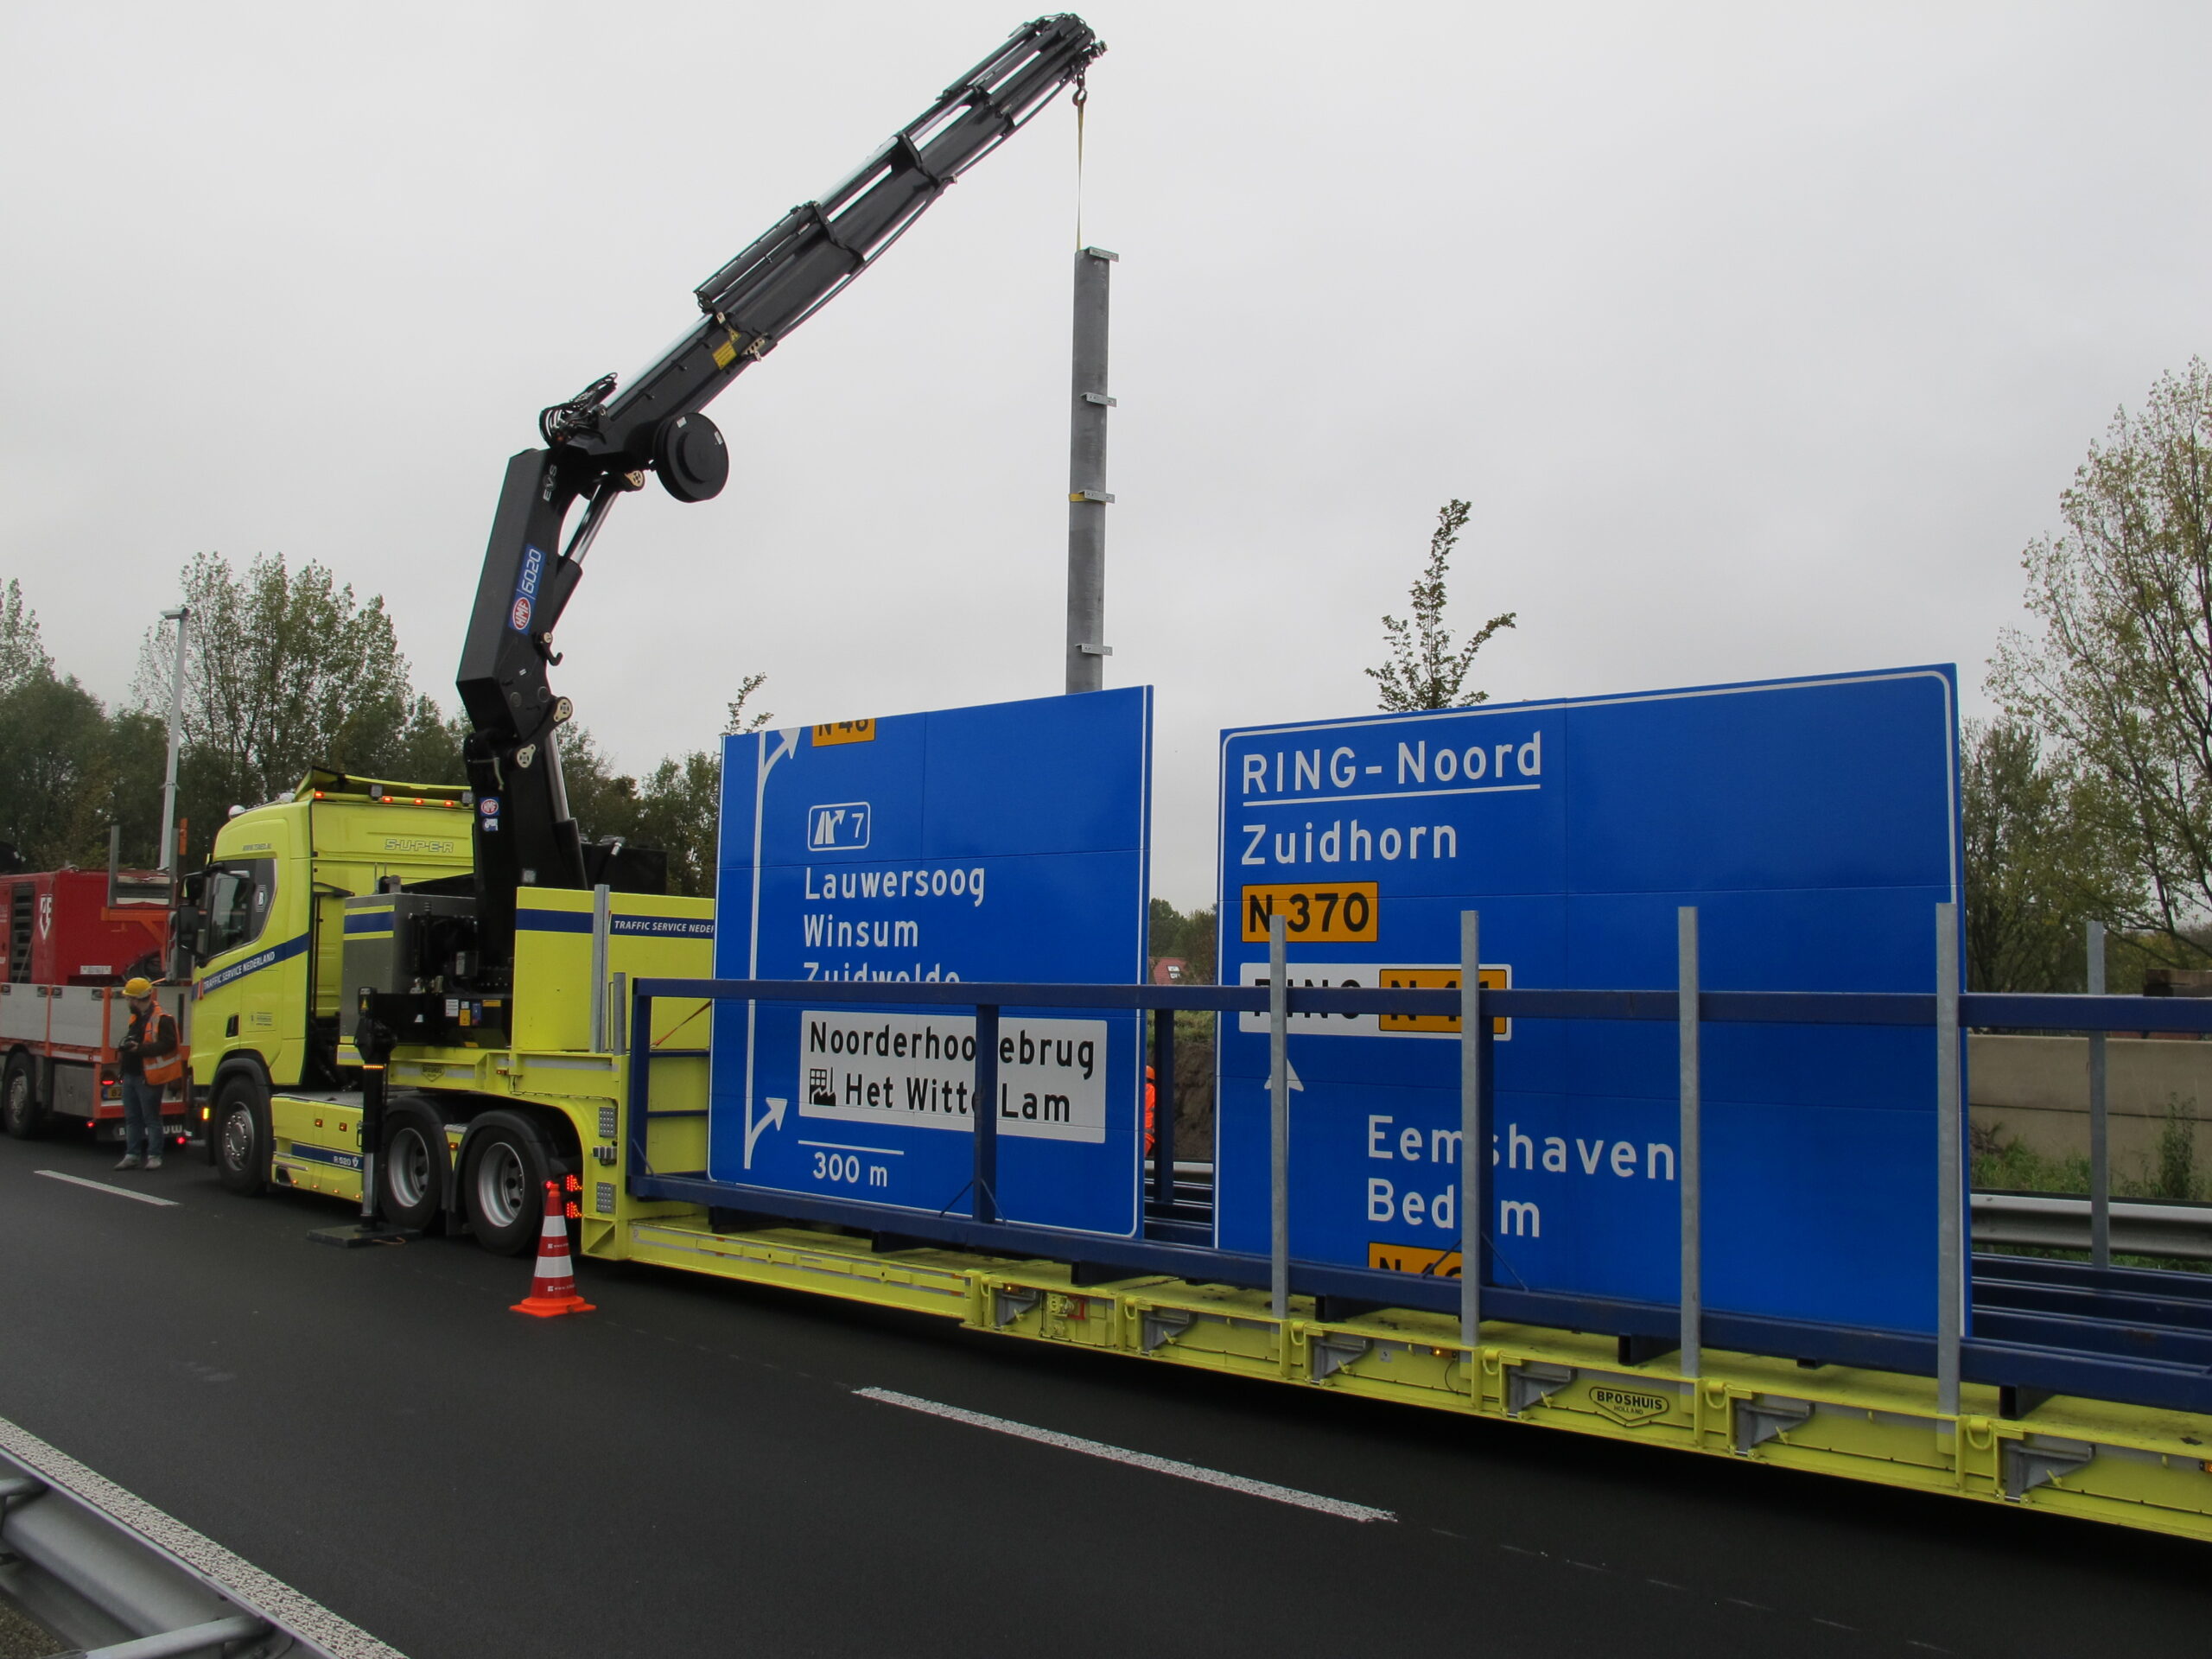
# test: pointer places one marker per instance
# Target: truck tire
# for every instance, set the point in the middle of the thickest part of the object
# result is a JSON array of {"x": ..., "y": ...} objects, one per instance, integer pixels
[
  {"x": 411, "y": 1172},
  {"x": 238, "y": 1133},
  {"x": 504, "y": 1170},
  {"x": 19, "y": 1110}
]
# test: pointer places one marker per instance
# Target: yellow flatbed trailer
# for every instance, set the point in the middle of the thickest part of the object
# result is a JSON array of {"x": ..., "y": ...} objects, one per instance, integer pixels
[
  {"x": 568, "y": 1073},
  {"x": 2127, "y": 1465},
  {"x": 2099, "y": 1461}
]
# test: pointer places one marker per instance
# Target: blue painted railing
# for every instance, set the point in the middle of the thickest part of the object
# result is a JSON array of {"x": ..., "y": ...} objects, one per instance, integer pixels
[{"x": 2040, "y": 1355}]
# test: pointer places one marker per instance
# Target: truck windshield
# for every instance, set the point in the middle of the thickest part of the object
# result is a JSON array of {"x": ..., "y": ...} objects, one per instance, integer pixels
[{"x": 238, "y": 896}]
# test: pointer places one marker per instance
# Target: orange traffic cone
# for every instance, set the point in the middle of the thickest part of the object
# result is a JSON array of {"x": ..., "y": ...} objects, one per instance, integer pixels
[{"x": 553, "y": 1285}]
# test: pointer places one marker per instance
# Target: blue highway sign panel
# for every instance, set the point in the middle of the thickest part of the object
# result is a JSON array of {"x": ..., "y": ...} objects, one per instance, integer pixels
[
  {"x": 1002, "y": 842},
  {"x": 1815, "y": 824}
]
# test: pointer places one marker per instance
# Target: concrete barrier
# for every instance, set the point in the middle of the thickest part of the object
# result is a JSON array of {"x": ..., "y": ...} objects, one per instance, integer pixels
[{"x": 2035, "y": 1090}]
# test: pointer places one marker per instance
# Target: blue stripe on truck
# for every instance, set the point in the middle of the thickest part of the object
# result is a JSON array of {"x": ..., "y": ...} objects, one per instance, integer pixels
[
  {"x": 252, "y": 964},
  {"x": 579, "y": 921}
]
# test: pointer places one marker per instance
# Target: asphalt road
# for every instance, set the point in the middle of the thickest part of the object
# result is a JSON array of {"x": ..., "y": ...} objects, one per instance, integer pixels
[{"x": 690, "y": 1471}]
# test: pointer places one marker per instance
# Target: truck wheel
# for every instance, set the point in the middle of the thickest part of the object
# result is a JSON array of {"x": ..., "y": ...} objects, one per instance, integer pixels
[
  {"x": 240, "y": 1127},
  {"x": 502, "y": 1187},
  {"x": 412, "y": 1174},
  {"x": 20, "y": 1112}
]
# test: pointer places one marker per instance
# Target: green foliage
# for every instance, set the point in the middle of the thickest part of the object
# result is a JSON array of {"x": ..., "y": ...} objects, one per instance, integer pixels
[
  {"x": 428, "y": 750},
  {"x": 1191, "y": 936},
  {"x": 1194, "y": 1037},
  {"x": 57, "y": 769},
  {"x": 739, "y": 721},
  {"x": 67, "y": 771},
  {"x": 22, "y": 653},
  {"x": 679, "y": 811},
  {"x": 284, "y": 670},
  {"x": 2174, "y": 1172},
  {"x": 2038, "y": 861},
  {"x": 2122, "y": 676},
  {"x": 1424, "y": 670},
  {"x": 678, "y": 807},
  {"x": 2169, "y": 1175}
]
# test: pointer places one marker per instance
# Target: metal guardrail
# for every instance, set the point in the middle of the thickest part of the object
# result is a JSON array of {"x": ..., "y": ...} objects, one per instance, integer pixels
[
  {"x": 104, "y": 1569},
  {"x": 2046, "y": 1221}
]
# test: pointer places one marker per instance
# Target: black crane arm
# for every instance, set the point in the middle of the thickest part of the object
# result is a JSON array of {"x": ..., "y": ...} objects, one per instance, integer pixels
[{"x": 601, "y": 444}]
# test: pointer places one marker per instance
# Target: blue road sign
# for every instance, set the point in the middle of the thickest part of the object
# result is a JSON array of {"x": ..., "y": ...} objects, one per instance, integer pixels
[
  {"x": 1006, "y": 842},
  {"x": 1815, "y": 824}
]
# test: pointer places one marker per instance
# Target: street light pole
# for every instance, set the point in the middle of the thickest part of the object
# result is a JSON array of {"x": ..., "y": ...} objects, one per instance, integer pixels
[{"x": 182, "y": 617}]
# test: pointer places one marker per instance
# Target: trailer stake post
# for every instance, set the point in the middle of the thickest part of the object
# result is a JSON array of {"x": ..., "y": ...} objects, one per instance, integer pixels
[
  {"x": 2099, "y": 1145},
  {"x": 985, "y": 1179},
  {"x": 1163, "y": 1100},
  {"x": 1950, "y": 1255},
  {"x": 1693, "y": 1227},
  {"x": 1470, "y": 1126},
  {"x": 1279, "y": 1113}
]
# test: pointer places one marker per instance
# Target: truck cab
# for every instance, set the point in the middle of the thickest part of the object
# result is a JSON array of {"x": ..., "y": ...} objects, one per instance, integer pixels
[
  {"x": 342, "y": 897},
  {"x": 272, "y": 910}
]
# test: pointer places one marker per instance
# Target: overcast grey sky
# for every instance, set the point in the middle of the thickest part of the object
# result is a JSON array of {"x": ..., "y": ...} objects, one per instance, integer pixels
[{"x": 1761, "y": 338}]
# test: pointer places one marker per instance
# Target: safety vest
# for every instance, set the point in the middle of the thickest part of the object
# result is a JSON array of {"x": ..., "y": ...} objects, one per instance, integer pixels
[{"x": 166, "y": 1069}]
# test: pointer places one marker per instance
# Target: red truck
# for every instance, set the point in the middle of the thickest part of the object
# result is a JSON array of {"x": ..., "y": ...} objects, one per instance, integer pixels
[{"x": 72, "y": 937}]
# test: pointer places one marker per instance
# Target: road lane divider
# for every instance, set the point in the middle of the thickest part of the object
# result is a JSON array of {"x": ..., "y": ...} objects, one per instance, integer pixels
[
  {"x": 102, "y": 1186},
  {"x": 1338, "y": 1507}
]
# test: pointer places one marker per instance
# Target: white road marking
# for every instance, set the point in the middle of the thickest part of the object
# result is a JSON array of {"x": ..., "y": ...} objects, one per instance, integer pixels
[
  {"x": 1268, "y": 1489},
  {"x": 102, "y": 1186}
]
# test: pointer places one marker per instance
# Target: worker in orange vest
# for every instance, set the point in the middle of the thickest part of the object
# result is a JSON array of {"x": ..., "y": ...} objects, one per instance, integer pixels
[{"x": 149, "y": 1059}]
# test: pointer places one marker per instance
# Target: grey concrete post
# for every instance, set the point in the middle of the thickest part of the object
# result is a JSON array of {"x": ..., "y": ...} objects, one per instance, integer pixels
[
  {"x": 1692, "y": 1225},
  {"x": 1279, "y": 1113},
  {"x": 1087, "y": 649},
  {"x": 2100, "y": 1157},
  {"x": 1950, "y": 1252}
]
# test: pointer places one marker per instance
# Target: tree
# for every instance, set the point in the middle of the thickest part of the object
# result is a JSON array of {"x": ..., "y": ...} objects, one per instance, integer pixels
[
  {"x": 22, "y": 653},
  {"x": 1424, "y": 670},
  {"x": 55, "y": 772},
  {"x": 2038, "y": 862},
  {"x": 2121, "y": 676},
  {"x": 284, "y": 671},
  {"x": 679, "y": 811},
  {"x": 678, "y": 808},
  {"x": 1190, "y": 936},
  {"x": 68, "y": 771},
  {"x": 739, "y": 721},
  {"x": 430, "y": 746}
]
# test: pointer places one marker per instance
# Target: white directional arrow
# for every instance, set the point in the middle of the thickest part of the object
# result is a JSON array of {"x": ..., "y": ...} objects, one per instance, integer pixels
[
  {"x": 754, "y": 1129},
  {"x": 1295, "y": 1084}
]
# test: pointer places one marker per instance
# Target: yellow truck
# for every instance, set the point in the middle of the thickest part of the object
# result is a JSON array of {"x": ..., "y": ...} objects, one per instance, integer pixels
[
  {"x": 304, "y": 902},
  {"x": 426, "y": 993},
  {"x": 448, "y": 953}
]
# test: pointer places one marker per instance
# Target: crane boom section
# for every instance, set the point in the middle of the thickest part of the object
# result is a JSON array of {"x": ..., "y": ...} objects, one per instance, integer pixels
[
  {"x": 754, "y": 302},
  {"x": 601, "y": 444}
]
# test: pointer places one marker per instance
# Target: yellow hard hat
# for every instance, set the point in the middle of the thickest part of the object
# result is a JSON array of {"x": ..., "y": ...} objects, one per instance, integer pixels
[{"x": 140, "y": 986}]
